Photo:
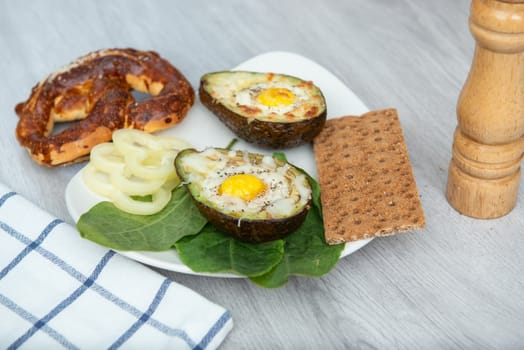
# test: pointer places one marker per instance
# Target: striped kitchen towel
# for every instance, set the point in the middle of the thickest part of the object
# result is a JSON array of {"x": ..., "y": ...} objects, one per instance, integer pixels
[{"x": 59, "y": 290}]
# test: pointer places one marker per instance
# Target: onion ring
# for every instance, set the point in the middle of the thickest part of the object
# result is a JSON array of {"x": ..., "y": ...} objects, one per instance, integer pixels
[
  {"x": 134, "y": 164},
  {"x": 125, "y": 203},
  {"x": 97, "y": 180},
  {"x": 104, "y": 157}
]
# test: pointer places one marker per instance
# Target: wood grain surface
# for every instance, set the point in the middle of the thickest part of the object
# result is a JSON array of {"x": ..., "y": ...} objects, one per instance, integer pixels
[{"x": 459, "y": 283}]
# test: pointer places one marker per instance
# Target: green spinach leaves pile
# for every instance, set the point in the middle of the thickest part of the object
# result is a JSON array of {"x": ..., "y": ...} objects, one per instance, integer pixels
[{"x": 204, "y": 249}]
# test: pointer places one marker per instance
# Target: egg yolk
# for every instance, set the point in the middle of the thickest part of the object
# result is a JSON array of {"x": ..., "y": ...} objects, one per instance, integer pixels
[
  {"x": 244, "y": 186},
  {"x": 274, "y": 97}
]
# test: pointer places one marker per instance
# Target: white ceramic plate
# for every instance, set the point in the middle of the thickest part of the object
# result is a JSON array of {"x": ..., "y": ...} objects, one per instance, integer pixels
[{"x": 202, "y": 129}]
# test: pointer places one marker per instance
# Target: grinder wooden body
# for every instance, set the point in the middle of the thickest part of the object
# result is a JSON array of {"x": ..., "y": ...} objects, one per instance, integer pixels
[{"x": 488, "y": 146}]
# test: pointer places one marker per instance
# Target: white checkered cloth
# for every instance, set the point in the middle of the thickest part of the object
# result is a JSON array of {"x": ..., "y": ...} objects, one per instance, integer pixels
[{"x": 59, "y": 290}]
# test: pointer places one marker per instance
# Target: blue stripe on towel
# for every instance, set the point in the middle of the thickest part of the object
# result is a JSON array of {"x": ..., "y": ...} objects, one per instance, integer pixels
[
  {"x": 30, "y": 245},
  {"x": 6, "y": 197},
  {"x": 145, "y": 317},
  {"x": 11, "y": 305},
  {"x": 66, "y": 302},
  {"x": 219, "y": 324}
]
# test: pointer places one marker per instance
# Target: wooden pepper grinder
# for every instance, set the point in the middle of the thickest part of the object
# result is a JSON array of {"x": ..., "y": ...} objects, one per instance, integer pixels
[{"x": 488, "y": 147}]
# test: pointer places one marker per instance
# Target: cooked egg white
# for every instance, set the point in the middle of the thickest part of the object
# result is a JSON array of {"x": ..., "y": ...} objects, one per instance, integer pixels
[
  {"x": 273, "y": 99},
  {"x": 245, "y": 188},
  {"x": 267, "y": 96}
]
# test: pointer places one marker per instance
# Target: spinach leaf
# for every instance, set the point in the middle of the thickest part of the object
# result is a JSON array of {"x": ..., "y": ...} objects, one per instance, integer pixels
[
  {"x": 213, "y": 251},
  {"x": 306, "y": 253},
  {"x": 108, "y": 226}
]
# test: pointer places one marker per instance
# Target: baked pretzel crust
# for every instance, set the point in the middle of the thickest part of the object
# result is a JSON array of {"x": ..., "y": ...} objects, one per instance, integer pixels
[{"x": 95, "y": 91}]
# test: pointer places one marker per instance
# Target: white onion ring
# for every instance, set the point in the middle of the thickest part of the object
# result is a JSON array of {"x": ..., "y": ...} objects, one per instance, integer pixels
[
  {"x": 131, "y": 140},
  {"x": 92, "y": 177},
  {"x": 124, "y": 202},
  {"x": 160, "y": 169},
  {"x": 135, "y": 164},
  {"x": 105, "y": 157},
  {"x": 170, "y": 185},
  {"x": 135, "y": 186}
]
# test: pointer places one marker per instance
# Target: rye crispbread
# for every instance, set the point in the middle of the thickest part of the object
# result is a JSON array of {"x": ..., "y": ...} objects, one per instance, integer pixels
[{"x": 366, "y": 180}]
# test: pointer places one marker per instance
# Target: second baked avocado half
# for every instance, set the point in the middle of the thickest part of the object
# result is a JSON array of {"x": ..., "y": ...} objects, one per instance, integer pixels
[
  {"x": 271, "y": 110},
  {"x": 254, "y": 197}
]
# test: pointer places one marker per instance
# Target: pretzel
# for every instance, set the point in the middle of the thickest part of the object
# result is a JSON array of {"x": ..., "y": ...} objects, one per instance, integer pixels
[{"x": 95, "y": 91}]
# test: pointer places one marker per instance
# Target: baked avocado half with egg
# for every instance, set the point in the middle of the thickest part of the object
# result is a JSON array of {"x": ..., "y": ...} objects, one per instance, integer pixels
[
  {"x": 272, "y": 110},
  {"x": 254, "y": 197}
]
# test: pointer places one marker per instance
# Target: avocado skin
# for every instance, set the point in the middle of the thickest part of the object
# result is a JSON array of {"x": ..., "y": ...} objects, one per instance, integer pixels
[
  {"x": 253, "y": 231},
  {"x": 268, "y": 134}
]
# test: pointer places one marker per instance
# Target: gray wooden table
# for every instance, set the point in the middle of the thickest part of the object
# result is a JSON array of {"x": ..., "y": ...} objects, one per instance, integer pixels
[{"x": 459, "y": 283}]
